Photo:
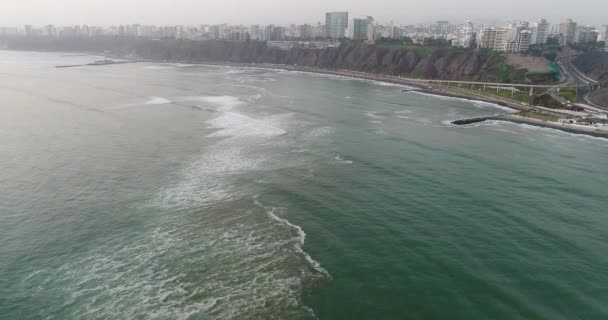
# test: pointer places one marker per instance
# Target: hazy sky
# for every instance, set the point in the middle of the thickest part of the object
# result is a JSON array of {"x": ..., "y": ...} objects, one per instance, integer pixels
[{"x": 195, "y": 12}]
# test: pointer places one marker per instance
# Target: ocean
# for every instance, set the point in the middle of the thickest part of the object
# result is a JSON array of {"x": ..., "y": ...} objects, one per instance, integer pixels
[{"x": 175, "y": 191}]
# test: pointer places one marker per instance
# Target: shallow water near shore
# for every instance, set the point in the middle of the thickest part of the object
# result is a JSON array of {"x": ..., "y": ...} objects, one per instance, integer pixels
[{"x": 171, "y": 191}]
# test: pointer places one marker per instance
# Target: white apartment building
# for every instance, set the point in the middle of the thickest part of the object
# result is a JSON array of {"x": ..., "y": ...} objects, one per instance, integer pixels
[
  {"x": 508, "y": 39},
  {"x": 540, "y": 32},
  {"x": 602, "y": 33},
  {"x": 465, "y": 35}
]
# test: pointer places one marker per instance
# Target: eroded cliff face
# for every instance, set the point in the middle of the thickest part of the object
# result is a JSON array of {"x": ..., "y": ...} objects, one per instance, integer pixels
[
  {"x": 438, "y": 63},
  {"x": 595, "y": 65}
]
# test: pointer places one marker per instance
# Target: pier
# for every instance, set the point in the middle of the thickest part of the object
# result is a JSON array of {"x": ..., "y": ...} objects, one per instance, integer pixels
[{"x": 479, "y": 119}]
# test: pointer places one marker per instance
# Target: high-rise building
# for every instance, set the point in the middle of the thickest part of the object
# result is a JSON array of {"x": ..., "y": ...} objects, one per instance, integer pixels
[
  {"x": 441, "y": 27},
  {"x": 363, "y": 29},
  {"x": 540, "y": 32},
  {"x": 306, "y": 32},
  {"x": 28, "y": 30},
  {"x": 602, "y": 33},
  {"x": 568, "y": 30},
  {"x": 9, "y": 31},
  {"x": 277, "y": 33},
  {"x": 523, "y": 39},
  {"x": 517, "y": 38},
  {"x": 256, "y": 32},
  {"x": 50, "y": 31},
  {"x": 394, "y": 32},
  {"x": 465, "y": 35},
  {"x": 494, "y": 39},
  {"x": 585, "y": 35},
  {"x": 336, "y": 24}
]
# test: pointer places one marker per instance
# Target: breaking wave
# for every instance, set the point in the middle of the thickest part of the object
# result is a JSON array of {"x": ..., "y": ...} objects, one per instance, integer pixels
[{"x": 157, "y": 100}]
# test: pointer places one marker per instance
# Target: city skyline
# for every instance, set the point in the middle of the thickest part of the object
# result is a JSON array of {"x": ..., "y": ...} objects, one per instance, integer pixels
[{"x": 189, "y": 12}]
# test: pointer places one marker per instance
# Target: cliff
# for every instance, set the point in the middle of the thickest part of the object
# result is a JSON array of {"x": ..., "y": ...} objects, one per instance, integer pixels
[
  {"x": 436, "y": 63},
  {"x": 595, "y": 65}
]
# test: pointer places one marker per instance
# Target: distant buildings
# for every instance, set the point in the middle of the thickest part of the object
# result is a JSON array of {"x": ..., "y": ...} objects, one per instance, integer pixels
[
  {"x": 540, "y": 32},
  {"x": 286, "y": 45},
  {"x": 603, "y": 33},
  {"x": 494, "y": 39},
  {"x": 465, "y": 36},
  {"x": 441, "y": 27},
  {"x": 306, "y": 32},
  {"x": 522, "y": 40},
  {"x": 336, "y": 24},
  {"x": 512, "y": 38},
  {"x": 585, "y": 35},
  {"x": 515, "y": 37},
  {"x": 568, "y": 30},
  {"x": 9, "y": 32},
  {"x": 362, "y": 29}
]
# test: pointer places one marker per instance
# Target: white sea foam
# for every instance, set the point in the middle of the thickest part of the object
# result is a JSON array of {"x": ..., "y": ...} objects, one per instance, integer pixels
[
  {"x": 477, "y": 103},
  {"x": 164, "y": 67},
  {"x": 254, "y": 79},
  {"x": 182, "y": 65},
  {"x": 318, "y": 132},
  {"x": 373, "y": 115},
  {"x": 556, "y": 132},
  {"x": 157, "y": 100},
  {"x": 405, "y": 111},
  {"x": 262, "y": 243},
  {"x": 182, "y": 272},
  {"x": 487, "y": 123},
  {"x": 340, "y": 159},
  {"x": 273, "y": 213},
  {"x": 375, "y": 121},
  {"x": 424, "y": 120},
  {"x": 232, "y": 124},
  {"x": 225, "y": 103},
  {"x": 482, "y": 104},
  {"x": 390, "y": 84},
  {"x": 349, "y": 78}
]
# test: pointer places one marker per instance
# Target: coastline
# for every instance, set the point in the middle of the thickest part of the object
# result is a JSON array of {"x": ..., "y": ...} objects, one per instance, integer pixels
[
  {"x": 441, "y": 91},
  {"x": 416, "y": 83},
  {"x": 514, "y": 118},
  {"x": 446, "y": 92}
]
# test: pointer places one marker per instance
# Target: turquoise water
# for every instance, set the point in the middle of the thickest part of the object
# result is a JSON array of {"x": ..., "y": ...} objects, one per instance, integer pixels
[{"x": 167, "y": 191}]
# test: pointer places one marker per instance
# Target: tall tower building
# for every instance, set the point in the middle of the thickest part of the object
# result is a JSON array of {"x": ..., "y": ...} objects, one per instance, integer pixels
[
  {"x": 603, "y": 33},
  {"x": 336, "y": 24},
  {"x": 540, "y": 32},
  {"x": 568, "y": 30},
  {"x": 363, "y": 29},
  {"x": 494, "y": 39},
  {"x": 524, "y": 37},
  {"x": 585, "y": 35},
  {"x": 465, "y": 36}
]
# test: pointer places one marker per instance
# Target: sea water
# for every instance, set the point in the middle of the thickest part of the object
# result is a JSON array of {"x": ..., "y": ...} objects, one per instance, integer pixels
[{"x": 170, "y": 191}]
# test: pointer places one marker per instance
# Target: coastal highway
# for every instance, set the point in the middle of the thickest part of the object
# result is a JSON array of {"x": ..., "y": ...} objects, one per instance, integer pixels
[
  {"x": 496, "y": 84},
  {"x": 580, "y": 79}
]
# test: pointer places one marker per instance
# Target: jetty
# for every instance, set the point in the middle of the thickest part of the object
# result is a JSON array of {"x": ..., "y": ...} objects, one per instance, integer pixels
[
  {"x": 462, "y": 122},
  {"x": 104, "y": 62}
]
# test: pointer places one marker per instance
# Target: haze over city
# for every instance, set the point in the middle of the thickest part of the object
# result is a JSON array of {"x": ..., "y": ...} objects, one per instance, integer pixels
[{"x": 107, "y": 12}]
